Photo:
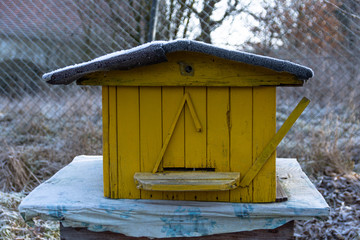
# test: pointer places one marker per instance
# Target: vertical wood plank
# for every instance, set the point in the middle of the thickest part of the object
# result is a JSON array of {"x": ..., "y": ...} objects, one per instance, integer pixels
[
  {"x": 150, "y": 132},
  {"x": 174, "y": 155},
  {"x": 128, "y": 140},
  {"x": 195, "y": 142},
  {"x": 264, "y": 128},
  {"x": 218, "y": 129},
  {"x": 171, "y": 99},
  {"x": 241, "y": 139},
  {"x": 106, "y": 161},
  {"x": 113, "y": 143}
]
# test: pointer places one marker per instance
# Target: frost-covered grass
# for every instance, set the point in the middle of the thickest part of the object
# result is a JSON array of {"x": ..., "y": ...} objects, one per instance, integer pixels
[
  {"x": 40, "y": 135},
  {"x": 342, "y": 192},
  {"x": 326, "y": 141},
  {"x": 39, "y": 140},
  {"x": 322, "y": 139},
  {"x": 12, "y": 226}
]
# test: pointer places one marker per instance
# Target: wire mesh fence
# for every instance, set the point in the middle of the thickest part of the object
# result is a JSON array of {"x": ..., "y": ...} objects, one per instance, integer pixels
[{"x": 42, "y": 35}]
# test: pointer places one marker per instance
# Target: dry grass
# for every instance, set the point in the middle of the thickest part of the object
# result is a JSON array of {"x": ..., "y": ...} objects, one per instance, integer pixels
[
  {"x": 35, "y": 147},
  {"x": 38, "y": 144},
  {"x": 12, "y": 226},
  {"x": 327, "y": 144}
]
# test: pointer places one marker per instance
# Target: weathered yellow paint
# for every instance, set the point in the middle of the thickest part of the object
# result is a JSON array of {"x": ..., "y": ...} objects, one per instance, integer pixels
[
  {"x": 187, "y": 181},
  {"x": 226, "y": 129},
  {"x": 106, "y": 163},
  {"x": 218, "y": 139},
  {"x": 208, "y": 71},
  {"x": 113, "y": 166},
  {"x": 171, "y": 99},
  {"x": 174, "y": 156},
  {"x": 264, "y": 128},
  {"x": 236, "y": 127},
  {"x": 185, "y": 100},
  {"x": 128, "y": 140},
  {"x": 241, "y": 139},
  {"x": 274, "y": 142},
  {"x": 195, "y": 142},
  {"x": 150, "y": 132},
  {"x": 193, "y": 113}
]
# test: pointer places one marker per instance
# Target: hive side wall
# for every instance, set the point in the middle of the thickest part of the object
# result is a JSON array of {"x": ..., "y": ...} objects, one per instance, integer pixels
[{"x": 236, "y": 125}]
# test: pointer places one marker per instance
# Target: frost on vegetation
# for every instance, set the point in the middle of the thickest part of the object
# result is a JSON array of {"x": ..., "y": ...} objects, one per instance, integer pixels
[
  {"x": 322, "y": 139},
  {"x": 342, "y": 192},
  {"x": 326, "y": 141},
  {"x": 12, "y": 226},
  {"x": 36, "y": 142}
]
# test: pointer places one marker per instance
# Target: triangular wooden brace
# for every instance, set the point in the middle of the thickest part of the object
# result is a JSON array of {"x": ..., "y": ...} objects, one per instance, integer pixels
[{"x": 186, "y": 99}]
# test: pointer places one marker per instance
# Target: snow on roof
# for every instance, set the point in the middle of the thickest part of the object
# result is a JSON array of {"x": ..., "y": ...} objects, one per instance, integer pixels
[{"x": 155, "y": 52}]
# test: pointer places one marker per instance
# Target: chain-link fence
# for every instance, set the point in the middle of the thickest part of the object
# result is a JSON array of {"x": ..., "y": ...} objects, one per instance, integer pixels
[{"x": 41, "y": 35}]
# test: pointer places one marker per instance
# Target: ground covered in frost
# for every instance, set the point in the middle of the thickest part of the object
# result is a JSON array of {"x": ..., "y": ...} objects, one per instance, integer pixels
[{"x": 342, "y": 193}]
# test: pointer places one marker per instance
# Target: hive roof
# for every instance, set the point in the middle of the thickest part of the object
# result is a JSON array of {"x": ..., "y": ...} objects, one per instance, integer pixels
[{"x": 155, "y": 52}]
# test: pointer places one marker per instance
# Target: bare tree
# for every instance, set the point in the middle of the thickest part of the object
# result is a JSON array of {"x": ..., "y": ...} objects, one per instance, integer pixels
[
  {"x": 295, "y": 24},
  {"x": 181, "y": 16}
]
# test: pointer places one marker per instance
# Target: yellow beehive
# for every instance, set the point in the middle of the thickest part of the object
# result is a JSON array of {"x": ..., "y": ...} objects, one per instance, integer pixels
[{"x": 188, "y": 121}]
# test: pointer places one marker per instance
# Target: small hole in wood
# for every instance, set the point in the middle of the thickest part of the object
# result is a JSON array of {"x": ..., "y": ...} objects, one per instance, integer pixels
[{"x": 188, "y": 69}]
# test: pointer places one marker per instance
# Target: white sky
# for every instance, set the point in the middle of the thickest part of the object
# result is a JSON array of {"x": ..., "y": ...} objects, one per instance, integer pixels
[{"x": 235, "y": 31}]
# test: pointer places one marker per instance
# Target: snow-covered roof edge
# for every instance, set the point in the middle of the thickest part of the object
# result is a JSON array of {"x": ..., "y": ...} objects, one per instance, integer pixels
[{"x": 155, "y": 52}]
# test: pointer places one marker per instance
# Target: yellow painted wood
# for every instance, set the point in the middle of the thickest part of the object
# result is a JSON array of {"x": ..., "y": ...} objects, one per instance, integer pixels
[
  {"x": 188, "y": 181},
  {"x": 193, "y": 112},
  {"x": 241, "y": 145},
  {"x": 274, "y": 142},
  {"x": 218, "y": 139},
  {"x": 174, "y": 156},
  {"x": 171, "y": 99},
  {"x": 185, "y": 100},
  {"x": 128, "y": 140},
  {"x": 113, "y": 143},
  {"x": 264, "y": 128},
  {"x": 208, "y": 71},
  {"x": 195, "y": 142},
  {"x": 150, "y": 132},
  {"x": 106, "y": 163}
]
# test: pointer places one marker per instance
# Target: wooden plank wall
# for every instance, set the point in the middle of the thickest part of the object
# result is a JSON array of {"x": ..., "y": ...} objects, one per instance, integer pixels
[{"x": 236, "y": 123}]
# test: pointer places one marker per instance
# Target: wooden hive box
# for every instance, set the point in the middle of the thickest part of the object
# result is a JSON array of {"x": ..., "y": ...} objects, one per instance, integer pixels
[{"x": 186, "y": 120}]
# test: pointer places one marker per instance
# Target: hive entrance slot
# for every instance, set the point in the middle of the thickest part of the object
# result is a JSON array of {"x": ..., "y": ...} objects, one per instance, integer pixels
[{"x": 180, "y": 169}]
